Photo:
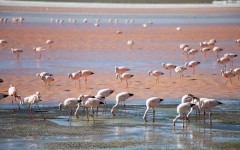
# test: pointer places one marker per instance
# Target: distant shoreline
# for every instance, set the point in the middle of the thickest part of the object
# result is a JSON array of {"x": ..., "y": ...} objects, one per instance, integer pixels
[{"x": 110, "y": 5}]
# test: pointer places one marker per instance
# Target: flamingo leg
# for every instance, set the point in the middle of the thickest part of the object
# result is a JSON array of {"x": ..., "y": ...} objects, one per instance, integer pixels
[
  {"x": 210, "y": 118},
  {"x": 17, "y": 104},
  {"x": 153, "y": 115},
  {"x": 230, "y": 80},
  {"x": 87, "y": 114},
  {"x": 41, "y": 112},
  {"x": 204, "y": 113},
  {"x": 174, "y": 120},
  {"x": 183, "y": 119},
  {"x": 70, "y": 113},
  {"x": 127, "y": 84}
]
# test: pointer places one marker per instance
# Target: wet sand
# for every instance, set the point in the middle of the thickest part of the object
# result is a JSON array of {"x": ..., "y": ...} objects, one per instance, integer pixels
[{"x": 101, "y": 49}]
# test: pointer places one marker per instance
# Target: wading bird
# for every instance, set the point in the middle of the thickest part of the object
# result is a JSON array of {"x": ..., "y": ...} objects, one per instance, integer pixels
[
  {"x": 121, "y": 98},
  {"x": 182, "y": 110},
  {"x": 12, "y": 91},
  {"x": 156, "y": 74},
  {"x": 151, "y": 103}
]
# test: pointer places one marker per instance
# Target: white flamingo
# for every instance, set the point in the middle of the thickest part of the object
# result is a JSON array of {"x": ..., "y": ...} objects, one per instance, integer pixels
[
  {"x": 156, "y": 74},
  {"x": 16, "y": 51},
  {"x": 228, "y": 75},
  {"x": 125, "y": 76},
  {"x": 39, "y": 49},
  {"x": 180, "y": 70},
  {"x": 192, "y": 64},
  {"x": 223, "y": 61},
  {"x": 121, "y": 97},
  {"x": 192, "y": 52},
  {"x": 50, "y": 42},
  {"x": 205, "y": 50},
  {"x": 92, "y": 103},
  {"x": 47, "y": 80},
  {"x": 182, "y": 46},
  {"x": 12, "y": 91},
  {"x": 151, "y": 102},
  {"x": 43, "y": 74},
  {"x": 189, "y": 98},
  {"x": 85, "y": 74},
  {"x": 71, "y": 103},
  {"x": 236, "y": 71},
  {"x": 230, "y": 56},
  {"x": 75, "y": 76},
  {"x": 237, "y": 40},
  {"x": 32, "y": 99},
  {"x": 130, "y": 43},
  {"x": 120, "y": 70},
  {"x": 206, "y": 103},
  {"x": 104, "y": 93},
  {"x": 182, "y": 110},
  {"x": 169, "y": 66},
  {"x": 3, "y": 42},
  {"x": 217, "y": 50}
]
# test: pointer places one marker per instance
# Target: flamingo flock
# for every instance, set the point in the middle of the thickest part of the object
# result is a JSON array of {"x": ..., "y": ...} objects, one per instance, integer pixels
[{"x": 184, "y": 110}]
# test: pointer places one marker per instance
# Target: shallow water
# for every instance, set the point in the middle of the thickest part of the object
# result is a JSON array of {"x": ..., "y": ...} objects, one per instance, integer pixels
[
  {"x": 161, "y": 19},
  {"x": 128, "y": 124}
]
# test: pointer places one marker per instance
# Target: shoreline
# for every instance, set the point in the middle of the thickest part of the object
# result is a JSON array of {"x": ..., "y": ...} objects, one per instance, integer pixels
[{"x": 118, "y": 8}]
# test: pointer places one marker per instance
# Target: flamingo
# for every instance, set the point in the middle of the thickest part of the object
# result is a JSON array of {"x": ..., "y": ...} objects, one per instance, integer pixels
[
  {"x": 104, "y": 93},
  {"x": 47, "y": 80},
  {"x": 155, "y": 73},
  {"x": 218, "y": 50},
  {"x": 187, "y": 98},
  {"x": 121, "y": 97},
  {"x": 205, "y": 50},
  {"x": 192, "y": 52},
  {"x": 43, "y": 74},
  {"x": 91, "y": 103},
  {"x": 38, "y": 49},
  {"x": 32, "y": 99},
  {"x": 12, "y": 91},
  {"x": 118, "y": 32},
  {"x": 230, "y": 56},
  {"x": 192, "y": 64},
  {"x": 204, "y": 44},
  {"x": 3, "y": 96},
  {"x": 3, "y": 42},
  {"x": 182, "y": 46},
  {"x": 181, "y": 110},
  {"x": 206, "y": 103},
  {"x": 50, "y": 42},
  {"x": 223, "y": 61},
  {"x": 168, "y": 66},
  {"x": 16, "y": 51},
  {"x": 70, "y": 103},
  {"x": 85, "y": 74},
  {"x": 236, "y": 71},
  {"x": 151, "y": 102},
  {"x": 120, "y": 70},
  {"x": 180, "y": 70},
  {"x": 228, "y": 75},
  {"x": 130, "y": 43},
  {"x": 75, "y": 76},
  {"x": 237, "y": 40},
  {"x": 178, "y": 29},
  {"x": 125, "y": 76},
  {"x": 85, "y": 20},
  {"x": 186, "y": 50}
]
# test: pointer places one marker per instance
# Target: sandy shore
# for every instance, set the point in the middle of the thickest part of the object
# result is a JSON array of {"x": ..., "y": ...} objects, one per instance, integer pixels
[{"x": 74, "y": 44}]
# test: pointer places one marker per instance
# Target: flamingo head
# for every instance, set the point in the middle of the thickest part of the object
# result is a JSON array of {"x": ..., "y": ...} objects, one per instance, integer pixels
[
  {"x": 186, "y": 65},
  {"x": 191, "y": 105},
  {"x": 149, "y": 73},
  {"x": 60, "y": 106}
]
